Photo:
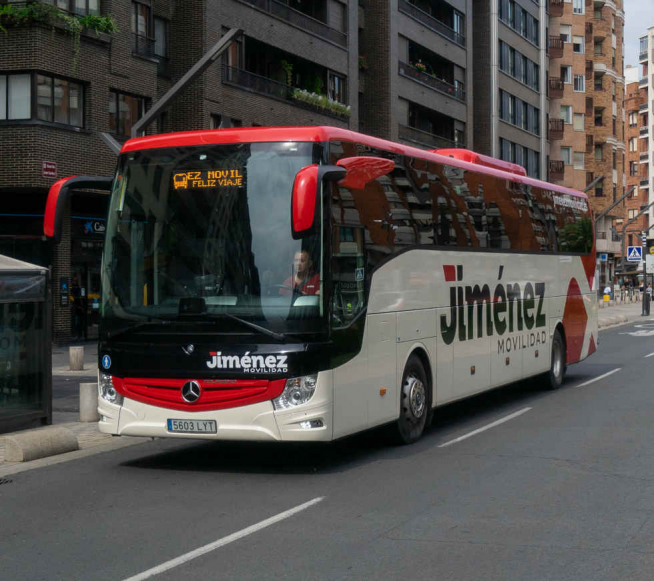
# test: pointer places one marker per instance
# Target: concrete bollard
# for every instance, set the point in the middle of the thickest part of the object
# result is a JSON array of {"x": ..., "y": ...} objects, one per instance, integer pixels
[
  {"x": 76, "y": 358},
  {"x": 33, "y": 444},
  {"x": 88, "y": 402}
]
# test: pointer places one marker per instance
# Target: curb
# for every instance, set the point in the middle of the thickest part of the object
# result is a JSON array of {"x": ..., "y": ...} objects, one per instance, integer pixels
[{"x": 614, "y": 321}]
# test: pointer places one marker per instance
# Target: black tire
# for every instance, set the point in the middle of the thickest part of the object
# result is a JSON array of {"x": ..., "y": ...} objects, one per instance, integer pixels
[
  {"x": 415, "y": 402},
  {"x": 556, "y": 375}
]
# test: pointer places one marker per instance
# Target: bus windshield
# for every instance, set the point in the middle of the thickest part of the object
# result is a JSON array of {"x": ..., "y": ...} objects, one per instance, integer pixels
[{"x": 195, "y": 233}]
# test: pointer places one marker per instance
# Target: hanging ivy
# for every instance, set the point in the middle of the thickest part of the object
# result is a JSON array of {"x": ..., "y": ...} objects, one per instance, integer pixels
[{"x": 12, "y": 16}]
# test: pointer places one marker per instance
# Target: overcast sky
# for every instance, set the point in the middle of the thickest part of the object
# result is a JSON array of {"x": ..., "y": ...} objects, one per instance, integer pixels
[{"x": 639, "y": 16}]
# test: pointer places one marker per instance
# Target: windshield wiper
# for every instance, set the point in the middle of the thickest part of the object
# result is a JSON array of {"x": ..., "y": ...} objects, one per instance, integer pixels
[
  {"x": 151, "y": 321},
  {"x": 246, "y": 323}
]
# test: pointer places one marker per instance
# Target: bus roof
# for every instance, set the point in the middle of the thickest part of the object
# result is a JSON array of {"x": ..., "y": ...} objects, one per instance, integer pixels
[{"x": 323, "y": 134}]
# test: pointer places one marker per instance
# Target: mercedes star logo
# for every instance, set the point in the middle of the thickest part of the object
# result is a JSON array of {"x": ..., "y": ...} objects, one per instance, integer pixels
[{"x": 191, "y": 391}]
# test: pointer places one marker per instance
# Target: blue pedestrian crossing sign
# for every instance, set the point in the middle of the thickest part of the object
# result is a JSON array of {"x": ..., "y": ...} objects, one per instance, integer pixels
[{"x": 634, "y": 253}]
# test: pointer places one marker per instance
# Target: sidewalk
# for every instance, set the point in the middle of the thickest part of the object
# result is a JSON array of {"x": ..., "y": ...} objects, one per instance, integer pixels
[
  {"x": 610, "y": 316},
  {"x": 60, "y": 359}
]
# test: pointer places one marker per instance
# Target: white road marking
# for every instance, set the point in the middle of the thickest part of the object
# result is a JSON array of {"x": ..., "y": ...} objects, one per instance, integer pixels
[
  {"x": 650, "y": 355},
  {"x": 477, "y": 431},
  {"x": 222, "y": 542},
  {"x": 598, "y": 378}
]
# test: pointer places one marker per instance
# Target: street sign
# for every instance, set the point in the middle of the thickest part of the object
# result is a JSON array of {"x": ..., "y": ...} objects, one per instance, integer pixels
[
  {"x": 634, "y": 253},
  {"x": 48, "y": 169},
  {"x": 605, "y": 257},
  {"x": 645, "y": 239}
]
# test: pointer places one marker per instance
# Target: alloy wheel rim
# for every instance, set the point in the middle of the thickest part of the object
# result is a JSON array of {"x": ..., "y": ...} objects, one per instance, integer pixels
[{"x": 414, "y": 391}]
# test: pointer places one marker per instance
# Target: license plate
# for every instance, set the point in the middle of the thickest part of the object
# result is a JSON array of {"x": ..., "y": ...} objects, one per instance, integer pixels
[{"x": 192, "y": 426}]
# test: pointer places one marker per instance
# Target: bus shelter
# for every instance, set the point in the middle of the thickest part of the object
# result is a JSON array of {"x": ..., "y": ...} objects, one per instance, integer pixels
[{"x": 25, "y": 346}]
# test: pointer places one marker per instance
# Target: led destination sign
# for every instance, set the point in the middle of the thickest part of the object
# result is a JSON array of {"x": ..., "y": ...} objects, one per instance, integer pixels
[{"x": 208, "y": 178}]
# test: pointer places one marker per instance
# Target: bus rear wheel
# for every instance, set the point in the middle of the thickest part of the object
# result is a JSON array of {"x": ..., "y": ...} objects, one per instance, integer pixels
[
  {"x": 554, "y": 379},
  {"x": 415, "y": 402}
]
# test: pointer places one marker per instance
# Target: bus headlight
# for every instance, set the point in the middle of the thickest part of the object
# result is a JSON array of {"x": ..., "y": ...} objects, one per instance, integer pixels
[
  {"x": 108, "y": 391},
  {"x": 298, "y": 390}
]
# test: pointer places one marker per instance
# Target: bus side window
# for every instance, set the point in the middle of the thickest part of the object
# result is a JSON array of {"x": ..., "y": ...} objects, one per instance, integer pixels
[{"x": 348, "y": 273}]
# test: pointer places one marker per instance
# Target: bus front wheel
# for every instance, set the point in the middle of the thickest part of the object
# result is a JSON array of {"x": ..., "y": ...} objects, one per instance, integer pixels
[{"x": 415, "y": 402}]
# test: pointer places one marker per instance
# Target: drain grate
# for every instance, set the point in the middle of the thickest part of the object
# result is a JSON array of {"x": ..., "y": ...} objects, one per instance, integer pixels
[{"x": 5, "y": 481}]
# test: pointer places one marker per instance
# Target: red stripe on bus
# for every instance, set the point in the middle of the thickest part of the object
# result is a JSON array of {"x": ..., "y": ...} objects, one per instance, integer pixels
[
  {"x": 575, "y": 319},
  {"x": 449, "y": 270}
]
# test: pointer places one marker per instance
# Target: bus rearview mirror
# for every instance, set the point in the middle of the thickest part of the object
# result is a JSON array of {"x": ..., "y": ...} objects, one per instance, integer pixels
[{"x": 305, "y": 198}]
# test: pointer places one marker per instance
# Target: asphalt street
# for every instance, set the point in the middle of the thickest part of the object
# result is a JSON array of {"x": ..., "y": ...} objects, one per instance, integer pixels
[{"x": 517, "y": 483}]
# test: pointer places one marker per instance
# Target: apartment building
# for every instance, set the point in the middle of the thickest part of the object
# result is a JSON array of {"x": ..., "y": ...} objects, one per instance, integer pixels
[
  {"x": 645, "y": 128},
  {"x": 417, "y": 87},
  {"x": 510, "y": 71},
  {"x": 636, "y": 162},
  {"x": 586, "y": 126},
  {"x": 59, "y": 91}
]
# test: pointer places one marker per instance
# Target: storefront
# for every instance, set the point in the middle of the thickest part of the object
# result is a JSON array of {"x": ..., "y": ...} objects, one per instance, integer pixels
[{"x": 74, "y": 263}]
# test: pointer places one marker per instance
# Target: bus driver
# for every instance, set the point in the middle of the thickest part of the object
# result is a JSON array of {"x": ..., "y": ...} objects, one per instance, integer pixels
[{"x": 303, "y": 280}]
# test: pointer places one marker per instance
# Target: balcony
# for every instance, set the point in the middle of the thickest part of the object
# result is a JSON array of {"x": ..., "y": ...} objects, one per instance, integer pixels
[
  {"x": 557, "y": 169},
  {"x": 642, "y": 107},
  {"x": 644, "y": 183},
  {"x": 589, "y": 143},
  {"x": 644, "y": 156},
  {"x": 555, "y": 88},
  {"x": 556, "y": 8},
  {"x": 643, "y": 131},
  {"x": 143, "y": 46},
  {"x": 435, "y": 83},
  {"x": 642, "y": 56},
  {"x": 430, "y": 22},
  {"x": 272, "y": 88},
  {"x": 608, "y": 242},
  {"x": 555, "y": 47},
  {"x": 556, "y": 129},
  {"x": 642, "y": 82},
  {"x": 426, "y": 139},
  {"x": 301, "y": 20},
  {"x": 599, "y": 68}
]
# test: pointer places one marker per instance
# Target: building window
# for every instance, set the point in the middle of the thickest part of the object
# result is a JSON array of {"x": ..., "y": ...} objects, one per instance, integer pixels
[
  {"x": 15, "y": 97},
  {"x": 633, "y": 119},
  {"x": 160, "y": 37},
  {"x": 598, "y": 119},
  {"x": 124, "y": 111},
  {"x": 566, "y": 155},
  {"x": 578, "y": 44},
  {"x": 599, "y": 151},
  {"x": 59, "y": 101},
  {"x": 578, "y": 160},
  {"x": 566, "y": 74},
  {"x": 633, "y": 168},
  {"x": 566, "y": 114},
  {"x": 337, "y": 89},
  {"x": 633, "y": 144},
  {"x": 580, "y": 84},
  {"x": 141, "y": 19},
  {"x": 578, "y": 7},
  {"x": 579, "y": 121},
  {"x": 598, "y": 84},
  {"x": 84, "y": 7},
  {"x": 566, "y": 32},
  {"x": 56, "y": 100},
  {"x": 216, "y": 121}
]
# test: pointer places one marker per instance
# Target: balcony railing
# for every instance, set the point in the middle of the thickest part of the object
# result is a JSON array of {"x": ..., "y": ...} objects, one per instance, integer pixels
[
  {"x": 425, "y": 138},
  {"x": 557, "y": 169},
  {"x": 430, "y": 22},
  {"x": 556, "y": 8},
  {"x": 143, "y": 46},
  {"x": 644, "y": 183},
  {"x": 257, "y": 83},
  {"x": 644, "y": 156},
  {"x": 556, "y": 128},
  {"x": 555, "y": 47},
  {"x": 301, "y": 20},
  {"x": 412, "y": 72},
  {"x": 643, "y": 130},
  {"x": 642, "y": 107},
  {"x": 642, "y": 56},
  {"x": 555, "y": 87},
  {"x": 266, "y": 86},
  {"x": 642, "y": 82}
]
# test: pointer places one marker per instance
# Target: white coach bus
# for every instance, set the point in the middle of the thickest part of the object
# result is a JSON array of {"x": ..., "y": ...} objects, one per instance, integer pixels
[{"x": 308, "y": 283}]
